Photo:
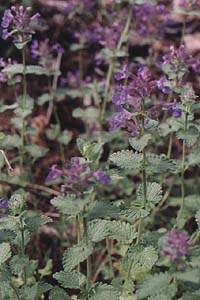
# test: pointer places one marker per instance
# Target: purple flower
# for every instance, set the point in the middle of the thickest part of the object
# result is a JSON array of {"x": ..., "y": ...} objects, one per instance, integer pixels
[
  {"x": 18, "y": 24},
  {"x": 4, "y": 203},
  {"x": 150, "y": 19},
  {"x": 102, "y": 177},
  {"x": 121, "y": 95},
  {"x": 172, "y": 108},
  {"x": 124, "y": 74},
  {"x": 177, "y": 244},
  {"x": 120, "y": 119},
  {"x": 4, "y": 64},
  {"x": 54, "y": 173},
  {"x": 77, "y": 176},
  {"x": 162, "y": 85},
  {"x": 45, "y": 52}
]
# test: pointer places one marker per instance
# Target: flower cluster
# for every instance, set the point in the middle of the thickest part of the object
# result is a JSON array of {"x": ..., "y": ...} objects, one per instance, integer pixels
[
  {"x": 45, "y": 52},
  {"x": 173, "y": 109},
  {"x": 18, "y": 24},
  {"x": 128, "y": 99},
  {"x": 4, "y": 64},
  {"x": 177, "y": 244},
  {"x": 4, "y": 204},
  {"x": 150, "y": 19},
  {"x": 77, "y": 176}
]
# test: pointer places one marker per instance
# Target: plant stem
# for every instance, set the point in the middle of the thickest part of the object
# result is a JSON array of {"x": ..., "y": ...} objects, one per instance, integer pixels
[
  {"x": 15, "y": 290},
  {"x": 111, "y": 65},
  {"x": 183, "y": 169},
  {"x": 109, "y": 257},
  {"x": 23, "y": 108},
  {"x": 78, "y": 235},
  {"x": 23, "y": 246},
  {"x": 88, "y": 261},
  {"x": 169, "y": 151}
]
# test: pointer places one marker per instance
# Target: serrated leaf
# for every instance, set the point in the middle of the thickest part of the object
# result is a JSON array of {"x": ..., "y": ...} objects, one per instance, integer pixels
[
  {"x": 5, "y": 252},
  {"x": 139, "y": 260},
  {"x": 139, "y": 143},
  {"x": 103, "y": 292},
  {"x": 159, "y": 164},
  {"x": 190, "y": 136},
  {"x": 58, "y": 294},
  {"x": 98, "y": 230},
  {"x": 18, "y": 263},
  {"x": 9, "y": 223},
  {"x": 34, "y": 222},
  {"x": 127, "y": 159},
  {"x": 155, "y": 284},
  {"x": 121, "y": 231},
  {"x": 68, "y": 205},
  {"x": 194, "y": 157},
  {"x": 191, "y": 295},
  {"x": 153, "y": 193},
  {"x": 71, "y": 280},
  {"x": 75, "y": 255}
]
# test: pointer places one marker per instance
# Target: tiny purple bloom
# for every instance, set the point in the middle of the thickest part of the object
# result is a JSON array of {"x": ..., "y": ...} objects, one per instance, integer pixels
[
  {"x": 54, "y": 173},
  {"x": 16, "y": 22},
  {"x": 177, "y": 244},
  {"x": 173, "y": 109},
  {"x": 4, "y": 203},
  {"x": 102, "y": 177}
]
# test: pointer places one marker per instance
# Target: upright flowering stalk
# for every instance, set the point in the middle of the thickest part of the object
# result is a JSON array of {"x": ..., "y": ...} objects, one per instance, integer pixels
[
  {"x": 111, "y": 65},
  {"x": 50, "y": 56},
  {"x": 18, "y": 25},
  {"x": 177, "y": 244},
  {"x": 187, "y": 99},
  {"x": 132, "y": 114}
]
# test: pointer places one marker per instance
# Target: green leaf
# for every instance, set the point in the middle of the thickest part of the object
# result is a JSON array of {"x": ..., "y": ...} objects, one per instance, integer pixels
[
  {"x": 58, "y": 294},
  {"x": 5, "y": 252},
  {"x": 159, "y": 164},
  {"x": 154, "y": 285},
  {"x": 194, "y": 157},
  {"x": 35, "y": 221},
  {"x": 53, "y": 132},
  {"x": 127, "y": 159},
  {"x": 20, "y": 263},
  {"x": 75, "y": 255},
  {"x": 36, "y": 151},
  {"x": 197, "y": 218},
  {"x": 68, "y": 205},
  {"x": 11, "y": 141},
  {"x": 153, "y": 193},
  {"x": 121, "y": 231},
  {"x": 190, "y": 136},
  {"x": 87, "y": 114},
  {"x": 103, "y": 292},
  {"x": 65, "y": 137},
  {"x": 19, "y": 69},
  {"x": 45, "y": 98},
  {"x": 9, "y": 223},
  {"x": 103, "y": 209},
  {"x": 71, "y": 280},
  {"x": 89, "y": 150},
  {"x": 98, "y": 230},
  {"x": 139, "y": 260},
  {"x": 139, "y": 143},
  {"x": 191, "y": 295},
  {"x": 47, "y": 270}
]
